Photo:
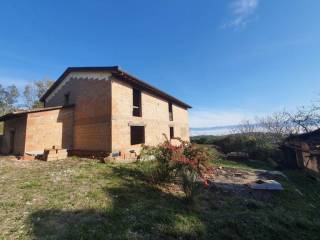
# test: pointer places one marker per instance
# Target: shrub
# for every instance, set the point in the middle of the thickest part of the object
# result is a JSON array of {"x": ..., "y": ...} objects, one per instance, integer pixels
[
  {"x": 148, "y": 170},
  {"x": 186, "y": 161},
  {"x": 259, "y": 146},
  {"x": 161, "y": 170}
]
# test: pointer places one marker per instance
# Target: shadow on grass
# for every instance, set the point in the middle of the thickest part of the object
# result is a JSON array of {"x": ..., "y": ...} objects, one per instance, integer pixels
[{"x": 138, "y": 211}]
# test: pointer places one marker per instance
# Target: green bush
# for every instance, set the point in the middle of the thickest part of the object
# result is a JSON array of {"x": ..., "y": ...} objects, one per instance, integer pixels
[
  {"x": 259, "y": 146},
  {"x": 161, "y": 169},
  {"x": 183, "y": 161},
  {"x": 190, "y": 183}
]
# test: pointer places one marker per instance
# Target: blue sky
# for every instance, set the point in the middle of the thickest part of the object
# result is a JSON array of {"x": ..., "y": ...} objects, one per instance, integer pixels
[{"x": 229, "y": 59}]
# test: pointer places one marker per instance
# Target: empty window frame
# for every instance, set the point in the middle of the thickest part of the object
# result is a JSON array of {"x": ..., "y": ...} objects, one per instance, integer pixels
[
  {"x": 171, "y": 132},
  {"x": 137, "y": 134},
  {"x": 136, "y": 111},
  {"x": 67, "y": 99},
  {"x": 170, "y": 111}
]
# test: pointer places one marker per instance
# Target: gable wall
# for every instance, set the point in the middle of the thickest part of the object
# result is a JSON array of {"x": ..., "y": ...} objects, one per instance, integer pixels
[
  {"x": 155, "y": 118},
  {"x": 91, "y": 94}
]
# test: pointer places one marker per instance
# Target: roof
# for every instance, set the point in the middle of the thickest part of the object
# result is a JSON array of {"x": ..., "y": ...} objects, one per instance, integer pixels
[
  {"x": 21, "y": 113},
  {"x": 121, "y": 75},
  {"x": 311, "y": 138},
  {"x": 305, "y": 136}
]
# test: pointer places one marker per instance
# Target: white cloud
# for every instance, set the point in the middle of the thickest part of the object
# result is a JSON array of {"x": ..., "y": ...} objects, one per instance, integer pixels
[
  {"x": 215, "y": 118},
  {"x": 241, "y": 13}
]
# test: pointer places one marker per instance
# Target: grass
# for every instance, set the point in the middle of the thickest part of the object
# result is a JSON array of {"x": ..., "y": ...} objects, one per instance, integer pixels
[
  {"x": 83, "y": 199},
  {"x": 246, "y": 165}
]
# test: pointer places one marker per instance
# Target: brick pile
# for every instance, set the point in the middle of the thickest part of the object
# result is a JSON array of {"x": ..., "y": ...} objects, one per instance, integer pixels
[
  {"x": 122, "y": 157},
  {"x": 55, "y": 154},
  {"x": 27, "y": 157}
]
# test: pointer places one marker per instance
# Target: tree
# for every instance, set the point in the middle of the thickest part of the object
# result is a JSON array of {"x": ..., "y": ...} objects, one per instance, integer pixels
[
  {"x": 8, "y": 98},
  {"x": 34, "y": 91},
  {"x": 278, "y": 124},
  {"x": 245, "y": 127},
  {"x": 305, "y": 119}
]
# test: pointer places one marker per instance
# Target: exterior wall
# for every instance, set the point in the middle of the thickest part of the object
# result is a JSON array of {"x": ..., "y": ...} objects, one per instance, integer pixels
[
  {"x": 309, "y": 161},
  {"x": 49, "y": 128},
  {"x": 18, "y": 125},
  {"x": 181, "y": 122},
  {"x": 155, "y": 118},
  {"x": 103, "y": 113},
  {"x": 91, "y": 94}
]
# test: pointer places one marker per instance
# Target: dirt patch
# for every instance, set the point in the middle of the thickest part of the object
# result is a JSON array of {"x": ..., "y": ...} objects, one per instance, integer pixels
[{"x": 236, "y": 182}]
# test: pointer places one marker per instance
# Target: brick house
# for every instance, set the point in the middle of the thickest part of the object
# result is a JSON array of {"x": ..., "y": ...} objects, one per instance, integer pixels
[{"x": 96, "y": 111}]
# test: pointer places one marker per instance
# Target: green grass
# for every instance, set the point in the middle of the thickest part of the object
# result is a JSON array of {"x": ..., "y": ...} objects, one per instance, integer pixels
[
  {"x": 246, "y": 165},
  {"x": 83, "y": 199}
]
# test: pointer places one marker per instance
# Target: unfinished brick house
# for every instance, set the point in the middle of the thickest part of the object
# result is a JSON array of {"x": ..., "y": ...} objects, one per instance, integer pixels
[{"x": 96, "y": 111}]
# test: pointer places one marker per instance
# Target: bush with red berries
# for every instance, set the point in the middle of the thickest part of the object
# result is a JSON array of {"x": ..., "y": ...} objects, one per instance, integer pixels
[{"x": 181, "y": 162}]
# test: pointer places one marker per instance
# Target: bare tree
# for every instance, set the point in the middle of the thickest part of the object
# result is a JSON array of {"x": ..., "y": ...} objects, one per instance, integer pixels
[
  {"x": 283, "y": 123},
  {"x": 34, "y": 91},
  {"x": 278, "y": 123},
  {"x": 245, "y": 127},
  {"x": 305, "y": 119}
]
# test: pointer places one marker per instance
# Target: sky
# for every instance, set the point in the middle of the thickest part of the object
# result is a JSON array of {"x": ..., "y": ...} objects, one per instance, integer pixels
[{"x": 229, "y": 59}]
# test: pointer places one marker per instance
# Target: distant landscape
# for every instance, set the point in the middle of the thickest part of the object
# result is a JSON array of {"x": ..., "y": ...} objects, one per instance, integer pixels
[
  {"x": 219, "y": 130},
  {"x": 224, "y": 130}
]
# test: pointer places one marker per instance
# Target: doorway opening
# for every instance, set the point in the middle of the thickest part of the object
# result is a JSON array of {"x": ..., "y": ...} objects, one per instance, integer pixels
[{"x": 12, "y": 135}]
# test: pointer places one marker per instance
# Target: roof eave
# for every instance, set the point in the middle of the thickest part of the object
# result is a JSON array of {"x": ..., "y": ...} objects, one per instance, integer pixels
[
  {"x": 12, "y": 115},
  {"x": 117, "y": 73}
]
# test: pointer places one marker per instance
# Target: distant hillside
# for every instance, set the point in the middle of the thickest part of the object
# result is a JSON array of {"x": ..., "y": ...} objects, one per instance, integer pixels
[{"x": 221, "y": 130}]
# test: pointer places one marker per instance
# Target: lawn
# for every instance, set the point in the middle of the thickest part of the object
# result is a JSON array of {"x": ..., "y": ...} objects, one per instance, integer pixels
[{"x": 84, "y": 199}]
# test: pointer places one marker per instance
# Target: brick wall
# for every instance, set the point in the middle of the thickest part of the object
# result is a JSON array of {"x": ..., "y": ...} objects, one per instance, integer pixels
[
  {"x": 155, "y": 118},
  {"x": 49, "y": 128},
  {"x": 103, "y": 108},
  {"x": 91, "y": 94},
  {"x": 18, "y": 125}
]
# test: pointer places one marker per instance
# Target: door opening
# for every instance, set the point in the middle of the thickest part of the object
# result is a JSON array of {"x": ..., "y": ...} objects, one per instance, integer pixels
[{"x": 12, "y": 134}]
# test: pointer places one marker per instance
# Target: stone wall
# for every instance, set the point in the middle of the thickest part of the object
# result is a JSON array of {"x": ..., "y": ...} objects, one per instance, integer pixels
[
  {"x": 155, "y": 118},
  {"x": 18, "y": 125},
  {"x": 91, "y": 94},
  {"x": 49, "y": 128}
]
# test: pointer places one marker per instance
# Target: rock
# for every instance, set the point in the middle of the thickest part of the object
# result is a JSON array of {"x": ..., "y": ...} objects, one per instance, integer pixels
[
  {"x": 266, "y": 185},
  {"x": 277, "y": 173},
  {"x": 271, "y": 174}
]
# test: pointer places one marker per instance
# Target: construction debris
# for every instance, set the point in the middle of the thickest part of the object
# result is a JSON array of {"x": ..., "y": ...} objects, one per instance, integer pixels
[
  {"x": 270, "y": 174},
  {"x": 244, "y": 183},
  {"x": 27, "y": 157},
  {"x": 121, "y": 157},
  {"x": 55, "y": 154},
  {"x": 266, "y": 185}
]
